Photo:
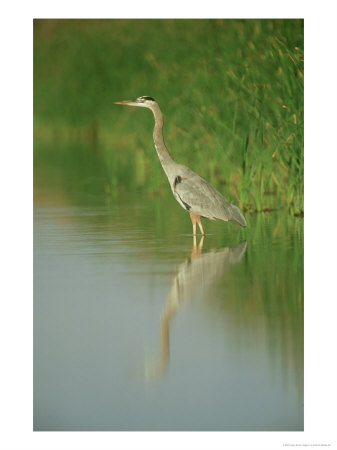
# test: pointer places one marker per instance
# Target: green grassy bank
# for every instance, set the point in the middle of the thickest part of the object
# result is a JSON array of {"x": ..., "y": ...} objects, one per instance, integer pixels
[{"x": 231, "y": 92}]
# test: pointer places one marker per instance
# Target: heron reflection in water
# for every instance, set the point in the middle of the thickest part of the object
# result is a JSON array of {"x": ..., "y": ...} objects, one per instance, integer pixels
[
  {"x": 195, "y": 275},
  {"x": 191, "y": 191}
]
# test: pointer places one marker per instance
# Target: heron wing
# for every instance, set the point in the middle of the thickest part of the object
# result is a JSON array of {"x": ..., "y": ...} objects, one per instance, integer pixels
[{"x": 202, "y": 198}]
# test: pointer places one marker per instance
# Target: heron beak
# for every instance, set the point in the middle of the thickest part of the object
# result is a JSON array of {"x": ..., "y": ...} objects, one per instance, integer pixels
[{"x": 128, "y": 102}]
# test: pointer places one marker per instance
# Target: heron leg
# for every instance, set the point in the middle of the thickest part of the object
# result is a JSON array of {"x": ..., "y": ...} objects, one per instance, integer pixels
[
  {"x": 200, "y": 226},
  {"x": 194, "y": 222},
  {"x": 195, "y": 218}
]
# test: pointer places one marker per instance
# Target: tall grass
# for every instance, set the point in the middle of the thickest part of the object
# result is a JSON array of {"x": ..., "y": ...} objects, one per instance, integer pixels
[{"x": 231, "y": 92}]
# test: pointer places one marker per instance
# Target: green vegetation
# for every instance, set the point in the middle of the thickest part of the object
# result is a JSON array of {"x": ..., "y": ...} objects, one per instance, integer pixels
[{"x": 231, "y": 92}]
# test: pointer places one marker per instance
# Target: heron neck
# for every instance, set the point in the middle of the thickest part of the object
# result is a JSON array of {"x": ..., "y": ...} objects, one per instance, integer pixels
[{"x": 163, "y": 154}]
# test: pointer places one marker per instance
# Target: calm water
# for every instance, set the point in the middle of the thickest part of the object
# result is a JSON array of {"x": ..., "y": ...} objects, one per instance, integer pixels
[{"x": 139, "y": 327}]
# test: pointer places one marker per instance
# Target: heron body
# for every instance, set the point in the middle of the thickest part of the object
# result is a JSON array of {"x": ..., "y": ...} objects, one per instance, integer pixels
[{"x": 191, "y": 191}]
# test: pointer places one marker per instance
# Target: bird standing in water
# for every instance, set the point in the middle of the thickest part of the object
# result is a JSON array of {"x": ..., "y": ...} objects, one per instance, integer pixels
[{"x": 193, "y": 193}]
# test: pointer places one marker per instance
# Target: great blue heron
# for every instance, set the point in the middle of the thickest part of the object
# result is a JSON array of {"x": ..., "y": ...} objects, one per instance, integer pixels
[{"x": 193, "y": 193}]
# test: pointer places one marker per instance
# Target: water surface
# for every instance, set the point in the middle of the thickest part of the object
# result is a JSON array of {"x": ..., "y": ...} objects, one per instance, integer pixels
[{"x": 137, "y": 326}]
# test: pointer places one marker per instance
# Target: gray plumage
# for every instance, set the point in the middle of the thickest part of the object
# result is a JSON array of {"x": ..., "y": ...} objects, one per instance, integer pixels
[{"x": 191, "y": 191}]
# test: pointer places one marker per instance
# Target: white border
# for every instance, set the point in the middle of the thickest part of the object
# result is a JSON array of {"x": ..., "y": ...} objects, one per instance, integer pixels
[{"x": 320, "y": 224}]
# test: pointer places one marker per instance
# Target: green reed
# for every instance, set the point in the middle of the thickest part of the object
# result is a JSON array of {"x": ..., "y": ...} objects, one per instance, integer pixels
[{"x": 231, "y": 92}]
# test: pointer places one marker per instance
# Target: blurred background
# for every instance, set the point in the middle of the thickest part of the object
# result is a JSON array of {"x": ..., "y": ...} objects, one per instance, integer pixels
[
  {"x": 231, "y": 92},
  {"x": 136, "y": 326}
]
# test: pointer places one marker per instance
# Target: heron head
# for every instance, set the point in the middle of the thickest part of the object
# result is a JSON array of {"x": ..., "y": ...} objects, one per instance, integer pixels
[{"x": 145, "y": 102}]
